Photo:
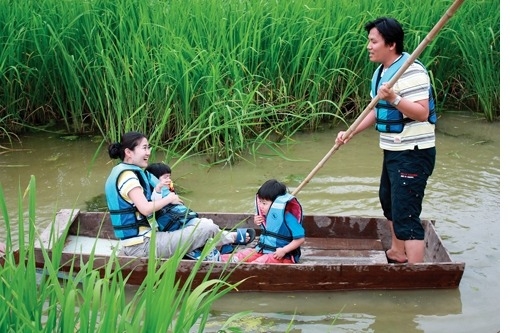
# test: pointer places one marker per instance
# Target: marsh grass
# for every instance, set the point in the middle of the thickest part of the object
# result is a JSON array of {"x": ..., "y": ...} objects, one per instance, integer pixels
[
  {"x": 225, "y": 77},
  {"x": 83, "y": 300},
  {"x": 482, "y": 82}
]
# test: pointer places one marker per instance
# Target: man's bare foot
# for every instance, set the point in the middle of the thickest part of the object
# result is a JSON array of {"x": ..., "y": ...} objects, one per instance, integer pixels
[{"x": 395, "y": 259}]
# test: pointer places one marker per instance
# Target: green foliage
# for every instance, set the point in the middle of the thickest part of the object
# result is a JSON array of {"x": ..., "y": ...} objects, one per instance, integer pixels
[
  {"x": 83, "y": 300},
  {"x": 481, "y": 64},
  {"x": 225, "y": 77}
]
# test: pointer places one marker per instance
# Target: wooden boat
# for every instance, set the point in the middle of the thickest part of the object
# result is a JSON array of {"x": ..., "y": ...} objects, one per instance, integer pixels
[{"x": 340, "y": 253}]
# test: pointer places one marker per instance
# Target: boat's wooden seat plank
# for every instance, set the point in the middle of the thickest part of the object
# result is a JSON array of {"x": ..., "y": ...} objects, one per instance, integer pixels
[
  {"x": 333, "y": 251},
  {"x": 343, "y": 243},
  {"x": 83, "y": 244},
  {"x": 342, "y": 251}
]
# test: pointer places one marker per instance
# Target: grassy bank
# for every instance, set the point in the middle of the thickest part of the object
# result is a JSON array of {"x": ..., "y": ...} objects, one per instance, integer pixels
[{"x": 224, "y": 77}]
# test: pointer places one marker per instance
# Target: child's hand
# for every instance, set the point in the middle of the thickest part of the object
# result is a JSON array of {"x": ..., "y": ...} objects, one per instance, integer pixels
[
  {"x": 259, "y": 219},
  {"x": 159, "y": 188},
  {"x": 165, "y": 183},
  {"x": 279, "y": 253},
  {"x": 174, "y": 199}
]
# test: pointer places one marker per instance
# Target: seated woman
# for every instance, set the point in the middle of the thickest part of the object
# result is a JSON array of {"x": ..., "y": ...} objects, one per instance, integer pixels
[{"x": 128, "y": 194}]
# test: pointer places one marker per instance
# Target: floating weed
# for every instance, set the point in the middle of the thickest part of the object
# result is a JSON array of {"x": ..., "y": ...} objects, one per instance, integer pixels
[
  {"x": 70, "y": 137},
  {"x": 483, "y": 142}
]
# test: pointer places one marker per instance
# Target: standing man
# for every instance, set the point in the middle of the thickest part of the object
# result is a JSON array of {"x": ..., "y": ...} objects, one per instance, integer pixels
[{"x": 405, "y": 118}]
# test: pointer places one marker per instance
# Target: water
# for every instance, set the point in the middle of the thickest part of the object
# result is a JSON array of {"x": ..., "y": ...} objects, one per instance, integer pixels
[{"x": 463, "y": 196}]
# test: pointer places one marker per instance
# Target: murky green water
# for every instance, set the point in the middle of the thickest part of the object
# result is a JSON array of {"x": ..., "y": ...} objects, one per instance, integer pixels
[{"x": 463, "y": 196}]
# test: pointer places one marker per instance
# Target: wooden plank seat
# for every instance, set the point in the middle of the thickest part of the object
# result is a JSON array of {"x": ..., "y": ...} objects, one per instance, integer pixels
[
  {"x": 315, "y": 250},
  {"x": 342, "y": 251}
]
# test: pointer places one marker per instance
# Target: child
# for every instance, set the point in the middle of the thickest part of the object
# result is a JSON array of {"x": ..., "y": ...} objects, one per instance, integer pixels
[
  {"x": 280, "y": 216},
  {"x": 170, "y": 217},
  {"x": 175, "y": 216}
]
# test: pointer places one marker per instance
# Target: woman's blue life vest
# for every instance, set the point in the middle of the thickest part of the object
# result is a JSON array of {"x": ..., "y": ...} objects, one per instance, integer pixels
[
  {"x": 171, "y": 217},
  {"x": 387, "y": 118},
  {"x": 126, "y": 219},
  {"x": 276, "y": 231}
]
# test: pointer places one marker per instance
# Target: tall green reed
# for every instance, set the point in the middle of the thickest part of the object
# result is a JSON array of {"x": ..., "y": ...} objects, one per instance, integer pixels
[
  {"x": 163, "y": 67},
  {"x": 479, "y": 45},
  {"x": 85, "y": 300}
]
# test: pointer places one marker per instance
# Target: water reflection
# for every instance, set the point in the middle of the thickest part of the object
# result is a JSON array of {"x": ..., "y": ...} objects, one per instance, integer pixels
[{"x": 354, "y": 311}]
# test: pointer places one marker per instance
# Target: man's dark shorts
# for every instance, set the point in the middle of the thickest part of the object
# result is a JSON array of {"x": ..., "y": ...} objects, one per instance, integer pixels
[{"x": 403, "y": 180}]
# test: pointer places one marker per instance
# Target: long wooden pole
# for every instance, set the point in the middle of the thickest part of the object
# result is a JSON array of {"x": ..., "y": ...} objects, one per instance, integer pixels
[{"x": 430, "y": 36}]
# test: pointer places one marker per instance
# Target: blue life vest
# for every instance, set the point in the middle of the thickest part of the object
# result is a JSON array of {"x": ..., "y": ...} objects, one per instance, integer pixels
[
  {"x": 171, "y": 217},
  {"x": 124, "y": 216},
  {"x": 387, "y": 118},
  {"x": 276, "y": 233}
]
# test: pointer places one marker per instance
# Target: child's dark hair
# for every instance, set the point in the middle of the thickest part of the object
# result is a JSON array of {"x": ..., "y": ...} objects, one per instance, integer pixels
[
  {"x": 271, "y": 190},
  {"x": 129, "y": 140},
  {"x": 158, "y": 169}
]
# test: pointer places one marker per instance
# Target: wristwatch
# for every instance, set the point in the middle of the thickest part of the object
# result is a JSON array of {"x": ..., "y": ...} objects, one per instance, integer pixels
[{"x": 396, "y": 101}]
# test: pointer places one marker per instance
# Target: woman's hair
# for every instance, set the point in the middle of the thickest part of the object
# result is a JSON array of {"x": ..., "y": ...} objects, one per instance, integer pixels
[
  {"x": 129, "y": 140},
  {"x": 158, "y": 169},
  {"x": 390, "y": 29},
  {"x": 271, "y": 190}
]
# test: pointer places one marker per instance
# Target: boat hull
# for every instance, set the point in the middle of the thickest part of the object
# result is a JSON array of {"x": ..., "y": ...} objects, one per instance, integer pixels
[{"x": 340, "y": 253}]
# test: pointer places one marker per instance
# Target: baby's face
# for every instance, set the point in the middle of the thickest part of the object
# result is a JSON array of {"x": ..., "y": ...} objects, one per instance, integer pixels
[{"x": 164, "y": 177}]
